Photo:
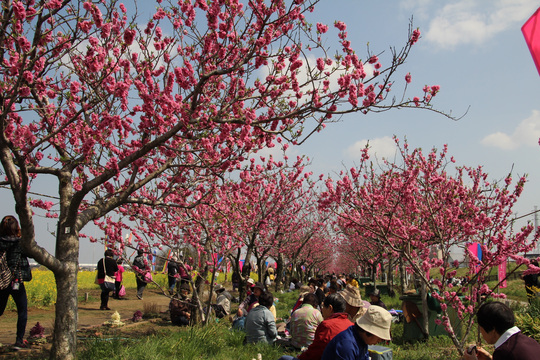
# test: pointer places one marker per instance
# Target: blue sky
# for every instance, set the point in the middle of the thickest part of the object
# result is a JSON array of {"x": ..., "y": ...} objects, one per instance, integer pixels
[{"x": 474, "y": 50}]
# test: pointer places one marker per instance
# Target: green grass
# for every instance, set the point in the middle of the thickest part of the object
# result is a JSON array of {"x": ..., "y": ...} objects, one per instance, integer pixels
[{"x": 214, "y": 341}]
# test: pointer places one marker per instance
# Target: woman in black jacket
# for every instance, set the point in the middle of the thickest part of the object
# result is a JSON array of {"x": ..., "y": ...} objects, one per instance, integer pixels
[
  {"x": 109, "y": 268},
  {"x": 10, "y": 236}
]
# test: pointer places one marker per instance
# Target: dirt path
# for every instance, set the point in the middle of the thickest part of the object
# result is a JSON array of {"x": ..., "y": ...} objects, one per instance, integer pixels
[{"x": 89, "y": 313}]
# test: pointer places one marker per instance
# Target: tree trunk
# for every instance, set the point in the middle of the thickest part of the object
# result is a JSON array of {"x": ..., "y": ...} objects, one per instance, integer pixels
[
  {"x": 279, "y": 273},
  {"x": 402, "y": 275},
  {"x": 64, "y": 342},
  {"x": 390, "y": 279},
  {"x": 64, "y": 345},
  {"x": 425, "y": 310}
]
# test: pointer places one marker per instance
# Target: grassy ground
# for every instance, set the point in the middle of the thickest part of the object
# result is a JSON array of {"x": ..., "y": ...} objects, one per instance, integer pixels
[{"x": 217, "y": 341}]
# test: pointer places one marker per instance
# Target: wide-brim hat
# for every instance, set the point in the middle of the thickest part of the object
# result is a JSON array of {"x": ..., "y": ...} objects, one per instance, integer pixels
[
  {"x": 352, "y": 296},
  {"x": 376, "y": 321},
  {"x": 218, "y": 287}
]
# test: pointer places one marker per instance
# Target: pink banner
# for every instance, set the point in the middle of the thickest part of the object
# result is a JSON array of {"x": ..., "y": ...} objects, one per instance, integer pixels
[
  {"x": 502, "y": 275},
  {"x": 531, "y": 32},
  {"x": 241, "y": 264}
]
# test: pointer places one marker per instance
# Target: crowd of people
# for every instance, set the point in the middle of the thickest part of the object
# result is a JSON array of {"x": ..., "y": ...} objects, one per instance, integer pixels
[{"x": 329, "y": 320}]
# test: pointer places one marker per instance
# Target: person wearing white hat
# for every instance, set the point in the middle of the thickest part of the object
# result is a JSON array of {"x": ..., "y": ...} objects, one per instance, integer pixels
[
  {"x": 372, "y": 328},
  {"x": 222, "y": 307},
  {"x": 355, "y": 304}
]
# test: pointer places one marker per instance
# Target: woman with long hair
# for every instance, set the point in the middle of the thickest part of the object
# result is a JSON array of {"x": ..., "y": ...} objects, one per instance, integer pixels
[{"x": 10, "y": 237}]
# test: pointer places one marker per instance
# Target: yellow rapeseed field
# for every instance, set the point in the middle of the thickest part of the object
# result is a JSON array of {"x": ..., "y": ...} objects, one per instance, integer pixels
[{"x": 41, "y": 291}]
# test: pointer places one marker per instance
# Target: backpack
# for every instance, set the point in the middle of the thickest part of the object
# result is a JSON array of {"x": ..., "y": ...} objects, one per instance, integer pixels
[{"x": 6, "y": 276}]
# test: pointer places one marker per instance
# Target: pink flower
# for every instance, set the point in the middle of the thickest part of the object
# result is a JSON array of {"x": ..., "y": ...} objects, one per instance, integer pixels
[
  {"x": 18, "y": 9},
  {"x": 321, "y": 28},
  {"x": 414, "y": 37},
  {"x": 408, "y": 78},
  {"x": 320, "y": 64},
  {"x": 28, "y": 76},
  {"x": 340, "y": 25},
  {"x": 129, "y": 35}
]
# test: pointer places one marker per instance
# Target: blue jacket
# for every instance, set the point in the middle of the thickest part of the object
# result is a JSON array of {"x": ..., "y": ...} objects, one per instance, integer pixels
[{"x": 347, "y": 345}]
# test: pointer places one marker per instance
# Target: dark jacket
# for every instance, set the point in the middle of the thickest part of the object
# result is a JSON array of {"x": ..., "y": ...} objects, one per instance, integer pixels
[
  {"x": 172, "y": 269},
  {"x": 16, "y": 258},
  {"x": 110, "y": 267},
  {"x": 517, "y": 347}
]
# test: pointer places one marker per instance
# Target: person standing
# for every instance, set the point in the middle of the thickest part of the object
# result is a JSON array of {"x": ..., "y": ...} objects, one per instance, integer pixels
[
  {"x": 172, "y": 274},
  {"x": 141, "y": 268},
  {"x": 106, "y": 266},
  {"x": 531, "y": 283},
  {"x": 10, "y": 237},
  {"x": 118, "y": 279}
]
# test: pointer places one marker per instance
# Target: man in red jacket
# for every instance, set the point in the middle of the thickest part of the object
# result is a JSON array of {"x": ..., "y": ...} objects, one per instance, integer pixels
[
  {"x": 335, "y": 321},
  {"x": 496, "y": 322}
]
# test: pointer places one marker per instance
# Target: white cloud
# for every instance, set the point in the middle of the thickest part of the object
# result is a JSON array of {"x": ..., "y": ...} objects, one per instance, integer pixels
[
  {"x": 384, "y": 147},
  {"x": 472, "y": 21},
  {"x": 526, "y": 133}
]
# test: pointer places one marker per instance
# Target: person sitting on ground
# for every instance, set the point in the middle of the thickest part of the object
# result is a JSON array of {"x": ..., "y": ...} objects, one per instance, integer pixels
[
  {"x": 254, "y": 290},
  {"x": 496, "y": 322},
  {"x": 304, "y": 322},
  {"x": 355, "y": 305},
  {"x": 304, "y": 290},
  {"x": 180, "y": 306},
  {"x": 260, "y": 323},
  {"x": 352, "y": 281},
  {"x": 235, "y": 279},
  {"x": 332, "y": 288},
  {"x": 335, "y": 321},
  {"x": 314, "y": 285},
  {"x": 375, "y": 297},
  {"x": 222, "y": 307},
  {"x": 352, "y": 343},
  {"x": 251, "y": 300}
]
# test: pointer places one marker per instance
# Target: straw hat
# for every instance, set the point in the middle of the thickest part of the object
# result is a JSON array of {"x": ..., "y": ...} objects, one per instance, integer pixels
[
  {"x": 352, "y": 296},
  {"x": 376, "y": 321}
]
